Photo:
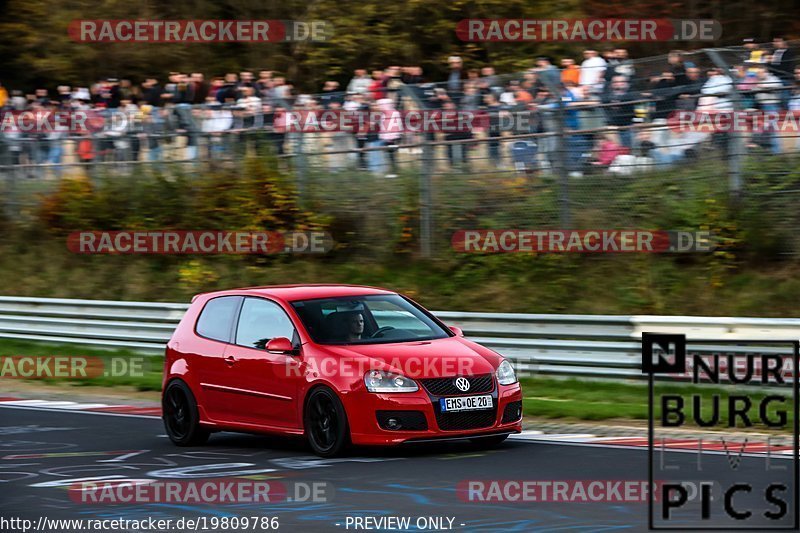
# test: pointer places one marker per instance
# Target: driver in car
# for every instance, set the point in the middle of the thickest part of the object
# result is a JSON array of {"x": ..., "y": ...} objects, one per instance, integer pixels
[{"x": 355, "y": 327}]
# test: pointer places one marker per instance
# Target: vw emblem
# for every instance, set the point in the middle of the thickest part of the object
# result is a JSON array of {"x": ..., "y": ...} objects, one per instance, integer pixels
[{"x": 462, "y": 384}]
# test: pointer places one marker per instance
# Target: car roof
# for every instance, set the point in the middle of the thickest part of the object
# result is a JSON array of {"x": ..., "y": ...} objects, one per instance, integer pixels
[{"x": 291, "y": 293}]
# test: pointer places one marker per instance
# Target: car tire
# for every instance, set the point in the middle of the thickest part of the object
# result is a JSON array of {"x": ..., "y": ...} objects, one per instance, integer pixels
[
  {"x": 489, "y": 442},
  {"x": 325, "y": 423},
  {"x": 180, "y": 415}
]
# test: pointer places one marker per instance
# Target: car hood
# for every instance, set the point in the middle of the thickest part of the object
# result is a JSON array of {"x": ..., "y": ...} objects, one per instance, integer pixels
[{"x": 452, "y": 356}]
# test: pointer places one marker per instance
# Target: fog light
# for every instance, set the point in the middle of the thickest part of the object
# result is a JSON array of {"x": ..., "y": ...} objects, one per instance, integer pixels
[{"x": 393, "y": 423}]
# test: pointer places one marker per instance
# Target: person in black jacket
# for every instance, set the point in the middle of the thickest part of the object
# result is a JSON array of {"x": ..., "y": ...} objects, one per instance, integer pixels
[
  {"x": 151, "y": 92},
  {"x": 493, "y": 108},
  {"x": 618, "y": 64},
  {"x": 455, "y": 79},
  {"x": 689, "y": 93},
  {"x": 783, "y": 60},
  {"x": 662, "y": 89},
  {"x": 457, "y": 154},
  {"x": 621, "y": 112},
  {"x": 412, "y": 75},
  {"x": 331, "y": 94},
  {"x": 677, "y": 68},
  {"x": 199, "y": 88},
  {"x": 229, "y": 92}
]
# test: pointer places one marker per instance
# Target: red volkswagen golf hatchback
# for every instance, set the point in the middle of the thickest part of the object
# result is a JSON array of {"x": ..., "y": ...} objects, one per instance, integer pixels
[{"x": 338, "y": 364}]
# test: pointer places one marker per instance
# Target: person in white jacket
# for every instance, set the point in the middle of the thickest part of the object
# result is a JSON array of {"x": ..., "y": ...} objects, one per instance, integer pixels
[
  {"x": 593, "y": 70},
  {"x": 216, "y": 121},
  {"x": 769, "y": 97},
  {"x": 720, "y": 86},
  {"x": 391, "y": 130},
  {"x": 360, "y": 82}
]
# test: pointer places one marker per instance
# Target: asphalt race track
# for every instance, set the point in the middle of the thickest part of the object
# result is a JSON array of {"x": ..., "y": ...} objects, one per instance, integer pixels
[{"x": 42, "y": 451}]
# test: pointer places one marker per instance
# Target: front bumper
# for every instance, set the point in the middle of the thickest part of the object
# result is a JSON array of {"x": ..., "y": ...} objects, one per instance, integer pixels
[{"x": 362, "y": 409}]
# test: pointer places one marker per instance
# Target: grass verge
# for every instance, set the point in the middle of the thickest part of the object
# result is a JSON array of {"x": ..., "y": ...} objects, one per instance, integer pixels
[{"x": 105, "y": 368}]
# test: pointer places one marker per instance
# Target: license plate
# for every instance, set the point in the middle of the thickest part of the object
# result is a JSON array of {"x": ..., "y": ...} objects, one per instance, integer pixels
[{"x": 465, "y": 403}]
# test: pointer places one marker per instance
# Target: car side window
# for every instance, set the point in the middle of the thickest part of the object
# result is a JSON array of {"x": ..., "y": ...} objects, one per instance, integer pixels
[
  {"x": 216, "y": 318},
  {"x": 261, "y": 321}
]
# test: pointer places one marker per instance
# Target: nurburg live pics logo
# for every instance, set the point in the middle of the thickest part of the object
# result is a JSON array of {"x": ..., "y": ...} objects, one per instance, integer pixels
[{"x": 743, "y": 489}]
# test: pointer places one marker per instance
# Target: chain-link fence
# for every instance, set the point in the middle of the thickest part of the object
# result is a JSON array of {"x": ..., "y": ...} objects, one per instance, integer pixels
[{"x": 625, "y": 146}]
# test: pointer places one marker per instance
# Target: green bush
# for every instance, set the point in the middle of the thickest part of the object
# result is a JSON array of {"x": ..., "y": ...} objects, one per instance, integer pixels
[{"x": 375, "y": 224}]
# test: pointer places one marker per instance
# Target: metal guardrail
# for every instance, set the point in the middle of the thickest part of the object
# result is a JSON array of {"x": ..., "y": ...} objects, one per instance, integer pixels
[
  {"x": 140, "y": 326},
  {"x": 580, "y": 345}
]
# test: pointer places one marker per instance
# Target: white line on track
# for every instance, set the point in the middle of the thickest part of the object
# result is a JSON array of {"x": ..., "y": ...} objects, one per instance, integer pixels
[
  {"x": 787, "y": 454},
  {"x": 77, "y": 411}
]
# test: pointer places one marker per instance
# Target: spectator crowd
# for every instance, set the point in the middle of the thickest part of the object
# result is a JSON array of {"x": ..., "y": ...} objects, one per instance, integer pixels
[{"x": 612, "y": 110}]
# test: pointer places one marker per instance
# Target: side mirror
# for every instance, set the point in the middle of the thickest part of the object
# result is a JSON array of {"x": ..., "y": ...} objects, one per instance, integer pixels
[
  {"x": 281, "y": 345},
  {"x": 457, "y": 330}
]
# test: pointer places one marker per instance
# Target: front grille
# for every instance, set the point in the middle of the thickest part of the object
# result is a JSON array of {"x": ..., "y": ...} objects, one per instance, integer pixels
[
  {"x": 408, "y": 420},
  {"x": 513, "y": 412},
  {"x": 447, "y": 387},
  {"x": 466, "y": 419}
]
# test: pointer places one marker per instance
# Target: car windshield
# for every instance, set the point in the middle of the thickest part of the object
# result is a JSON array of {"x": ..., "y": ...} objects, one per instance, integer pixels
[{"x": 375, "y": 319}]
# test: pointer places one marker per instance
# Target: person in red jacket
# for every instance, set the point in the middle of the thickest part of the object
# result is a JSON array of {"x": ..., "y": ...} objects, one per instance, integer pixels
[
  {"x": 377, "y": 89},
  {"x": 608, "y": 149}
]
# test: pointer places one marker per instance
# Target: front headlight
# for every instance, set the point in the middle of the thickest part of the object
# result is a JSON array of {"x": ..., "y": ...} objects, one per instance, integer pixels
[
  {"x": 505, "y": 373},
  {"x": 380, "y": 381}
]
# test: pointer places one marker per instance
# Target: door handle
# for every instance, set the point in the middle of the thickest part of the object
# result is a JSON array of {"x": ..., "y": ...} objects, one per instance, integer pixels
[{"x": 230, "y": 360}]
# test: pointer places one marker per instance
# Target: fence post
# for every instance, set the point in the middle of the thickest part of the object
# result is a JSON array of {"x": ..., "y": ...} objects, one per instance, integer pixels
[
  {"x": 735, "y": 146},
  {"x": 560, "y": 160},
  {"x": 735, "y": 149},
  {"x": 10, "y": 203},
  {"x": 425, "y": 202},
  {"x": 425, "y": 183},
  {"x": 300, "y": 166},
  {"x": 8, "y": 176},
  {"x": 561, "y": 167}
]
